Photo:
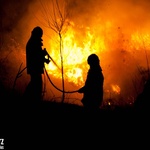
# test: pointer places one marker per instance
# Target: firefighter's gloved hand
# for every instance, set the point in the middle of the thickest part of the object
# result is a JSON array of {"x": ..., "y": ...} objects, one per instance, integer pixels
[{"x": 47, "y": 61}]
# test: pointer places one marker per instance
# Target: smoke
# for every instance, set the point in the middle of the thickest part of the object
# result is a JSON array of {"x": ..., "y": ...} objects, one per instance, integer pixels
[
  {"x": 115, "y": 20},
  {"x": 121, "y": 12}
]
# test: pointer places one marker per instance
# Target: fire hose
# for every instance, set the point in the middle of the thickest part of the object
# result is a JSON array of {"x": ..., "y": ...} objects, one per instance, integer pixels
[
  {"x": 51, "y": 82},
  {"x": 49, "y": 77},
  {"x": 56, "y": 86},
  {"x": 46, "y": 53}
]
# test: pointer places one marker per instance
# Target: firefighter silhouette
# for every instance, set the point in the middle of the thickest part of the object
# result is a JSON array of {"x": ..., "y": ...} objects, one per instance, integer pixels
[
  {"x": 93, "y": 88},
  {"x": 35, "y": 59}
]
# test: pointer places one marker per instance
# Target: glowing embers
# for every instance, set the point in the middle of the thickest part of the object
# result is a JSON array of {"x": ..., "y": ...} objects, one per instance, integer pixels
[{"x": 116, "y": 88}]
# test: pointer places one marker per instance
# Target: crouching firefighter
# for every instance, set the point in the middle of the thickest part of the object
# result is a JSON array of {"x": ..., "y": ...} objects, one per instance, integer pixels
[{"x": 35, "y": 59}]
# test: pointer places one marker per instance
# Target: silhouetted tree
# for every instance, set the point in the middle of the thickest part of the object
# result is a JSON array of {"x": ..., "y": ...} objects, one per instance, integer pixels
[{"x": 56, "y": 21}]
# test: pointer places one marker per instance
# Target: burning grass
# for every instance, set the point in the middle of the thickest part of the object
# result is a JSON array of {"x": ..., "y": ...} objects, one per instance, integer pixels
[{"x": 121, "y": 42}]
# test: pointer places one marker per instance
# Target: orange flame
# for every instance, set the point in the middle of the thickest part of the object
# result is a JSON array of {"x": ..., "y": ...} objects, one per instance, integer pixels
[
  {"x": 74, "y": 55},
  {"x": 79, "y": 42}
]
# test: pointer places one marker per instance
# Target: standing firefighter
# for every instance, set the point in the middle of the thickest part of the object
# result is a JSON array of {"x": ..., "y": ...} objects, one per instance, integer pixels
[
  {"x": 35, "y": 59},
  {"x": 93, "y": 88}
]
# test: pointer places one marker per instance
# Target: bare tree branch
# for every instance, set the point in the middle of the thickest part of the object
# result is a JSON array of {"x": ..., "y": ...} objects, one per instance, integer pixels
[
  {"x": 56, "y": 21},
  {"x": 19, "y": 74}
]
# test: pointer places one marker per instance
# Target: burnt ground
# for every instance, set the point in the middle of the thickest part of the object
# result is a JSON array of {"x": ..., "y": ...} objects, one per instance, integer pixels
[
  {"x": 15, "y": 107},
  {"x": 40, "y": 125}
]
